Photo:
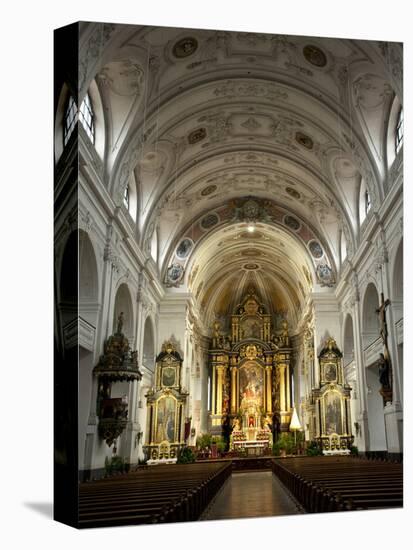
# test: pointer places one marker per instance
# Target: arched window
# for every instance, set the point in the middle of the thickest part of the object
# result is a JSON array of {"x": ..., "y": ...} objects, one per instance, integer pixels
[
  {"x": 343, "y": 247},
  {"x": 367, "y": 201},
  {"x": 399, "y": 132},
  {"x": 364, "y": 201},
  {"x": 69, "y": 120},
  {"x": 87, "y": 118},
  {"x": 126, "y": 198}
]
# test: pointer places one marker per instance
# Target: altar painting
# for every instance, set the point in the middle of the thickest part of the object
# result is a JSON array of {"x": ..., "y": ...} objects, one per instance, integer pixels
[
  {"x": 165, "y": 420},
  {"x": 251, "y": 328},
  {"x": 332, "y": 408},
  {"x": 251, "y": 380}
]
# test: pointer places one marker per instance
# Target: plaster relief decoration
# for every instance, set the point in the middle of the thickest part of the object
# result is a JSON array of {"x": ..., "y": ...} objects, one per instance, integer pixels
[
  {"x": 249, "y": 210},
  {"x": 123, "y": 82},
  {"x": 371, "y": 91},
  {"x": 124, "y": 78},
  {"x": 89, "y": 54},
  {"x": 232, "y": 89},
  {"x": 371, "y": 95},
  {"x": 293, "y": 193},
  {"x": 325, "y": 275},
  {"x": 174, "y": 275}
]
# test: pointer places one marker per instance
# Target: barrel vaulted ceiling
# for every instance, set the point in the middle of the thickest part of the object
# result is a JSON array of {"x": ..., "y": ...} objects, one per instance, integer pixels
[{"x": 247, "y": 150}]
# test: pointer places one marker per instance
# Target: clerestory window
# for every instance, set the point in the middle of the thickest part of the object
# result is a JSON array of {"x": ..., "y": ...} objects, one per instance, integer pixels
[
  {"x": 69, "y": 120},
  {"x": 399, "y": 132},
  {"x": 126, "y": 198},
  {"x": 87, "y": 118}
]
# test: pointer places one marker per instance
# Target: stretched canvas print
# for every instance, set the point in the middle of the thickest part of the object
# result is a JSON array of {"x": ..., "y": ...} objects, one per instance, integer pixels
[{"x": 228, "y": 274}]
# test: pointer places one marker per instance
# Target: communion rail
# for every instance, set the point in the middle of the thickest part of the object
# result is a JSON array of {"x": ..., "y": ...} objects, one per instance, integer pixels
[
  {"x": 159, "y": 494},
  {"x": 331, "y": 484}
]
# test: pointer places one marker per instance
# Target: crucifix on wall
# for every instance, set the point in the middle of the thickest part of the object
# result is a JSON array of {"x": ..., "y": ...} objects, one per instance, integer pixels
[{"x": 384, "y": 361}]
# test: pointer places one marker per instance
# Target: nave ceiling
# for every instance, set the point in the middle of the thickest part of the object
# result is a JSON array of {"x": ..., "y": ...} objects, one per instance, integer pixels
[{"x": 247, "y": 151}]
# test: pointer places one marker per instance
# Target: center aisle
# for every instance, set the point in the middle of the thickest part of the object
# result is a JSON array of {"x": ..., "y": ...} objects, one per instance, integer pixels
[{"x": 251, "y": 495}]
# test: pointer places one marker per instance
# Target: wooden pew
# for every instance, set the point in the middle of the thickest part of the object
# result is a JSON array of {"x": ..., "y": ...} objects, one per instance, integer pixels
[
  {"x": 178, "y": 492},
  {"x": 327, "y": 484}
]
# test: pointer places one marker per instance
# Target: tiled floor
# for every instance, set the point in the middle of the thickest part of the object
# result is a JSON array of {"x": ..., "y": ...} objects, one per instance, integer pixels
[{"x": 251, "y": 495}]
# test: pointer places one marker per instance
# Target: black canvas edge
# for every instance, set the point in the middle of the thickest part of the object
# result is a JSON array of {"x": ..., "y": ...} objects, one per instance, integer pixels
[{"x": 66, "y": 336}]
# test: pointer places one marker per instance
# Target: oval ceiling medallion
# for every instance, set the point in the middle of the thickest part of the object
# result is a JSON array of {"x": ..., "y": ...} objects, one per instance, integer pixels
[
  {"x": 315, "y": 249},
  {"x": 315, "y": 56},
  {"x": 184, "y": 248},
  {"x": 304, "y": 140},
  {"x": 293, "y": 193},
  {"x": 292, "y": 223},
  {"x": 251, "y": 267},
  {"x": 209, "y": 221},
  {"x": 208, "y": 190},
  {"x": 185, "y": 47},
  {"x": 196, "y": 136}
]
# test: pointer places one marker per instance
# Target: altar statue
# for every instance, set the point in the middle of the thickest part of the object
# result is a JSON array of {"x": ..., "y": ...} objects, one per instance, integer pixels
[
  {"x": 236, "y": 425},
  {"x": 267, "y": 424},
  {"x": 120, "y": 323}
]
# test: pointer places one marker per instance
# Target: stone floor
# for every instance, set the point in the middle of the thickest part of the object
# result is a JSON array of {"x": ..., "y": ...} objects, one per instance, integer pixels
[{"x": 251, "y": 495}]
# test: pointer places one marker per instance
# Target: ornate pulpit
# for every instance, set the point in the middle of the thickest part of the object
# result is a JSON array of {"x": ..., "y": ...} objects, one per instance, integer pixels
[
  {"x": 117, "y": 364},
  {"x": 251, "y": 378},
  {"x": 332, "y": 403},
  {"x": 165, "y": 408}
]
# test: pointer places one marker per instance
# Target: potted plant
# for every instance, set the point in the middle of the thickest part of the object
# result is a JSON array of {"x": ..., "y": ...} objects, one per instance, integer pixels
[
  {"x": 313, "y": 449},
  {"x": 185, "y": 456}
]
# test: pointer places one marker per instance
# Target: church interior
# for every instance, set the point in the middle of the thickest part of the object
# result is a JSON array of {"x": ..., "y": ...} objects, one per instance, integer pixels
[{"x": 238, "y": 227}]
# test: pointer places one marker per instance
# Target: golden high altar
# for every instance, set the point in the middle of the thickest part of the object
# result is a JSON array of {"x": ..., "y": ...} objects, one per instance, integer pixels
[{"x": 251, "y": 377}]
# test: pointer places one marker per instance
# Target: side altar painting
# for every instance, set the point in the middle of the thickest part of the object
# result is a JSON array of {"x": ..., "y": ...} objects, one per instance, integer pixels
[
  {"x": 165, "y": 408},
  {"x": 251, "y": 390}
]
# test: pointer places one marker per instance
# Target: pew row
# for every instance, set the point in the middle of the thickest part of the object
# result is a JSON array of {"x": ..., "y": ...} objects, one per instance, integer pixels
[
  {"x": 159, "y": 494},
  {"x": 331, "y": 484}
]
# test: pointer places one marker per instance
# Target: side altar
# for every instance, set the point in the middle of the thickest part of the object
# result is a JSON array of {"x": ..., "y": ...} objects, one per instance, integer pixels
[
  {"x": 251, "y": 391},
  {"x": 165, "y": 408},
  {"x": 332, "y": 402}
]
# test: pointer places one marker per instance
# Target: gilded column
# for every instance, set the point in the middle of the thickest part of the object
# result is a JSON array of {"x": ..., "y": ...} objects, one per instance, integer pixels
[
  {"x": 268, "y": 370},
  {"x": 282, "y": 386},
  {"x": 233, "y": 390},
  {"x": 237, "y": 394},
  {"x": 220, "y": 377},
  {"x": 288, "y": 392},
  {"x": 214, "y": 389}
]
